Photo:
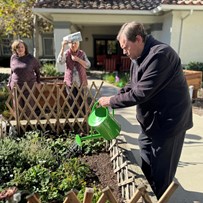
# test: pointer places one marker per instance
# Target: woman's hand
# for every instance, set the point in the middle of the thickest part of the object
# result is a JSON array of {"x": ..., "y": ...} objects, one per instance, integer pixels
[
  {"x": 64, "y": 42},
  {"x": 80, "y": 61},
  {"x": 75, "y": 58}
]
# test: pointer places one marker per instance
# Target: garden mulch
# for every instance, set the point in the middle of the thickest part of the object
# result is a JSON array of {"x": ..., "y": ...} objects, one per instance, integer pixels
[{"x": 103, "y": 174}]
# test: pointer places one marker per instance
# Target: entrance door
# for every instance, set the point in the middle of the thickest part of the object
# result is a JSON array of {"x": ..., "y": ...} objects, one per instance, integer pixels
[{"x": 105, "y": 47}]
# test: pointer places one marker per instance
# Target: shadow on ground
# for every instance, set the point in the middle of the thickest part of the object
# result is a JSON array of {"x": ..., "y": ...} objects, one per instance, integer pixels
[{"x": 183, "y": 196}]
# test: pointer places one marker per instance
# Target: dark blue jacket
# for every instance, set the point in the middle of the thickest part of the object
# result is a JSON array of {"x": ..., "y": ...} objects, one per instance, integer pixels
[{"x": 159, "y": 89}]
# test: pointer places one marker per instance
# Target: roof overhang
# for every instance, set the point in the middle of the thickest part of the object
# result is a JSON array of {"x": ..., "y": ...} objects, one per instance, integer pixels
[
  {"x": 166, "y": 7},
  {"x": 47, "y": 13}
]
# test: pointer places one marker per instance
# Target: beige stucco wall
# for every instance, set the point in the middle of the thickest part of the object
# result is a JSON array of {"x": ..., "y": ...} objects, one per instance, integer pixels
[
  {"x": 186, "y": 30},
  {"x": 191, "y": 47},
  {"x": 166, "y": 29},
  {"x": 182, "y": 30}
]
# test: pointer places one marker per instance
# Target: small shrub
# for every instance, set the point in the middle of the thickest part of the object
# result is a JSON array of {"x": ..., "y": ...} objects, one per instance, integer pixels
[
  {"x": 50, "y": 70},
  {"x": 3, "y": 98},
  {"x": 109, "y": 77},
  {"x": 198, "y": 66},
  {"x": 38, "y": 162},
  {"x": 4, "y": 77}
]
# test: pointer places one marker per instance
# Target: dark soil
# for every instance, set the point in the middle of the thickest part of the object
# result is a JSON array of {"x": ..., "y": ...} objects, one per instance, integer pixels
[{"x": 102, "y": 167}]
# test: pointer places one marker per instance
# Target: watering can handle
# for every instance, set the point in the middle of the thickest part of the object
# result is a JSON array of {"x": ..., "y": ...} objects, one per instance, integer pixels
[{"x": 96, "y": 103}]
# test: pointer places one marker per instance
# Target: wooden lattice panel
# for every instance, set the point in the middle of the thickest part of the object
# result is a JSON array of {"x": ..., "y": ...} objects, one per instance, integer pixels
[
  {"x": 129, "y": 175},
  {"x": 51, "y": 106}
]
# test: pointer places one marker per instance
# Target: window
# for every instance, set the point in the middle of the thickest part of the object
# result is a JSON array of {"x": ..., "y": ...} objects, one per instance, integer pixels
[
  {"x": 100, "y": 47},
  {"x": 111, "y": 47},
  {"x": 5, "y": 47},
  {"x": 48, "y": 46}
]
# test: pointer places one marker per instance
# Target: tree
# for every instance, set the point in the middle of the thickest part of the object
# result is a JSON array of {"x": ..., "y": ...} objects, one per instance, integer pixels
[{"x": 16, "y": 19}]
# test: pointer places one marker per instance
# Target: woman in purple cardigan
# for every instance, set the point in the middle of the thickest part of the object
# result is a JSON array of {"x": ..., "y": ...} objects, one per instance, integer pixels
[{"x": 24, "y": 69}]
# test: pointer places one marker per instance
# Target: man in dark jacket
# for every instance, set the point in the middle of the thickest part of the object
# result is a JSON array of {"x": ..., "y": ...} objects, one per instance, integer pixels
[{"x": 158, "y": 87}]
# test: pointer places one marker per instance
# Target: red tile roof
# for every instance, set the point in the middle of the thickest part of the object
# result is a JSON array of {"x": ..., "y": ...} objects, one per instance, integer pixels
[{"x": 112, "y": 4}]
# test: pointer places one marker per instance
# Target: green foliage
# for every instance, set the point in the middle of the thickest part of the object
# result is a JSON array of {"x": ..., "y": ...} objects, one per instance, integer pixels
[
  {"x": 3, "y": 98},
  {"x": 93, "y": 146},
  {"x": 111, "y": 78},
  {"x": 194, "y": 66},
  {"x": 4, "y": 77},
  {"x": 50, "y": 70},
  {"x": 18, "y": 18},
  {"x": 97, "y": 194},
  {"x": 38, "y": 162}
]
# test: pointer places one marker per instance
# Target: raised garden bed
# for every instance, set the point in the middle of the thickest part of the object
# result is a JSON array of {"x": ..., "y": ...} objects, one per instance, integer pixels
[{"x": 194, "y": 78}]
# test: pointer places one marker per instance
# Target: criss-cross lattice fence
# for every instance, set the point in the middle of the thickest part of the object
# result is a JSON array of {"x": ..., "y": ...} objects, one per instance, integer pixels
[
  {"x": 51, "y": 106},
  {"x": 131, "y": 180}
]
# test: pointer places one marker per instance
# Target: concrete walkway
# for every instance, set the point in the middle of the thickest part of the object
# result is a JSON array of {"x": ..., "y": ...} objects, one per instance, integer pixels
[{"x": 189, "y": 174}]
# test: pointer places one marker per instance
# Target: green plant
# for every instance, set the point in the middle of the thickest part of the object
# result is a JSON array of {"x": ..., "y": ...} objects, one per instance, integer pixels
[
  {"x": 122, "y": 78},
  {"x": 38, "y": 162},
  {"x": 3, "y": 98},
  {"x": 93, "y": 146},
  {"x": 198, "y": 66},
  {"x": 109, "y": 78},
  {"x": 4, "y": 77},
  {"x": 50, "y": 70}
]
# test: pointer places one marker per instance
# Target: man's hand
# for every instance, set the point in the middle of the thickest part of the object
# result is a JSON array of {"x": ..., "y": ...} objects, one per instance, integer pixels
[{"x": 104, "y": 101}]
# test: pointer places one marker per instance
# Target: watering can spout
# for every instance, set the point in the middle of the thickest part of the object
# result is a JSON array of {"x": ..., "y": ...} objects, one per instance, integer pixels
[{"x": 79, "y": 139}]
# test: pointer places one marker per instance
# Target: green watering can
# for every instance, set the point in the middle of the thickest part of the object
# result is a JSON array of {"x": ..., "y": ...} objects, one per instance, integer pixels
[{"x": 103, "y": 123}]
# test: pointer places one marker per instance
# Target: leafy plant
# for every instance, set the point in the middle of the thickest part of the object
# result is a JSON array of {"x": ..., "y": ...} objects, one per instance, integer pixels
[
  {"x": 109, "y": 78},
  {"x": 4, "y": 77},
  {"x": 50, "y": 70},
  {"x": 3, "y": 98},
  {"x": 198, "y": 66},
  {"x": 18, "y": 19},
  {"x": 38, "y": 162},
  {"x": 120, "y": 80}
]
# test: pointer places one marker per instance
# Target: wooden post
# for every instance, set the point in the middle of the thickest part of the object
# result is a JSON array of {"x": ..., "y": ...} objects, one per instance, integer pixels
[
  {"x": 141, "y": 192},
  {"x": 88, "y": 195},
  {"x": 71, "y": 198},
  {"x": 108, "y": 193},
  {"x": 58, "y": 109},
  {"x": 135, "y": 197},
  {"x": 33, "y": 198},
  {"x": 102, "y": 199},
  {"x": 16, "y": 109},
  {"x": 169, "y": 191}
]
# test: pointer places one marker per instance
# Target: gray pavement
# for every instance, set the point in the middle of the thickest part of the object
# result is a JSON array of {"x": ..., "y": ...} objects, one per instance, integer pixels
[{"x": 189, "y": 174}]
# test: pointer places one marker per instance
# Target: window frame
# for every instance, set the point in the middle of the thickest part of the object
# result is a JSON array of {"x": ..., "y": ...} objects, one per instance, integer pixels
[{"x": 49, "y": 37}]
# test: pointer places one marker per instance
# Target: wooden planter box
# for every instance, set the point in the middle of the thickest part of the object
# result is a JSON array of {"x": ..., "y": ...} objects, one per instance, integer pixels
[
  {"x": 194, "y": 78},
  {"x": 51, "y": 82},
  {"x": 52, "y": 79},
  {"x": 51, "y": 89}
]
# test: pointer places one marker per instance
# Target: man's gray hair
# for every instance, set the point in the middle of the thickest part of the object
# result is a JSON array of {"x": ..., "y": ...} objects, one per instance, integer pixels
[{"x": 131, "y": 30}]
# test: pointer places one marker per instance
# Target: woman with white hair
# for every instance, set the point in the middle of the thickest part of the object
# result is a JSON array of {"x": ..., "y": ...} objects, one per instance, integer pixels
[{"x": 76, "y": 65}]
